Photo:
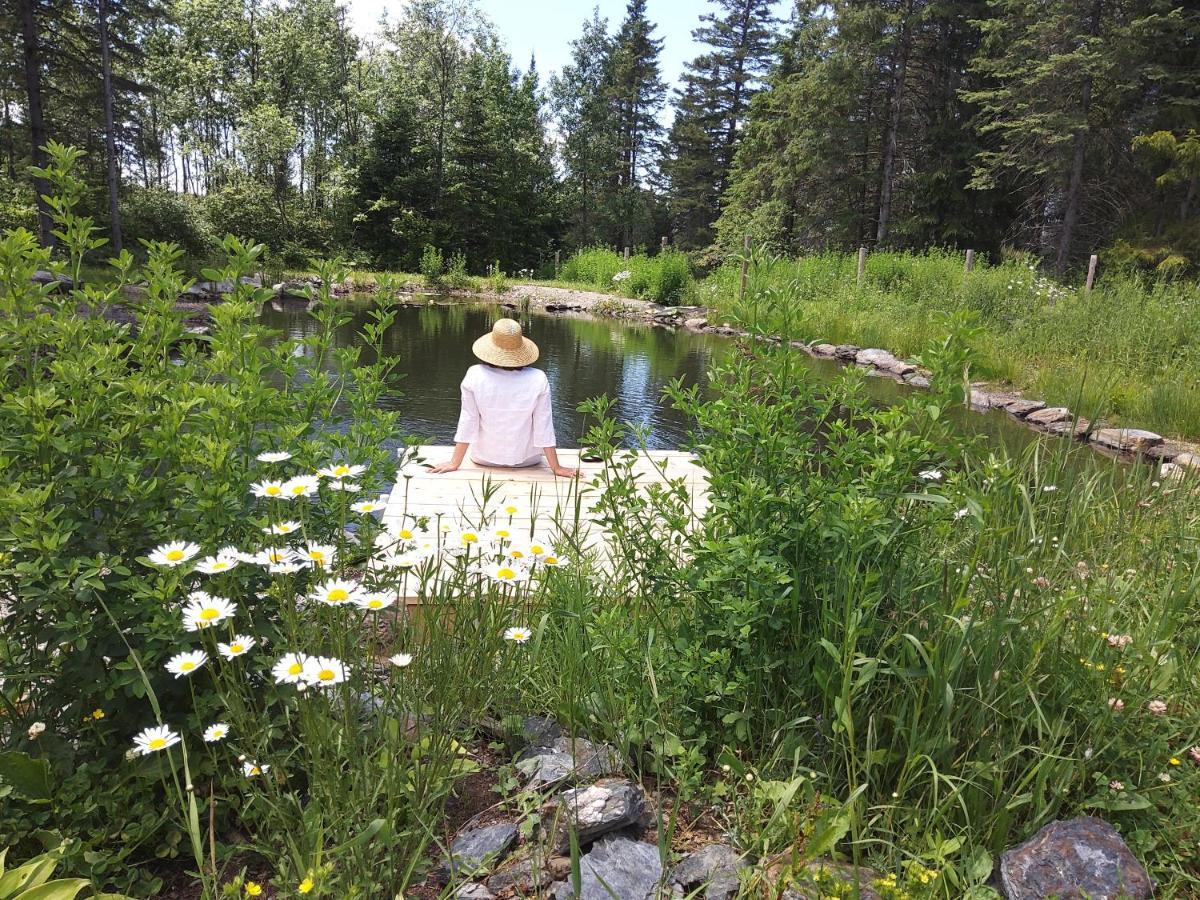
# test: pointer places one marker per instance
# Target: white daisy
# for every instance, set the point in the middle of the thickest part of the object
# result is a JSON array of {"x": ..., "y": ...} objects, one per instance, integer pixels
[
  {"x": 217, "y": 732},
  {"x": 274, "y": 456},
  {"x": 214, "y": 565},
  {"x": 930, "y": 475},
  {"x": 200, "y": 613},
  {"x": 348, "y": 487},
  {"x": 282, "y": 528},
  {"x": 517, "y": 634},
  {"x": 335, "y": 592},
  {"x": 401, "y": 560},
  {"x": 289, "y": 668},
  {"x": 553, "y": 560},
  {"x": 241, "y": 644},
  {"x": 501, "y": 535},
  {"x": 251, "y": 769},
  {"x": 400, "y": 660},
  {"x": 374, "y": 602},
  {"x": 270, "y": 556},
  {"x": 301, "y": 486},
  {"x": 268, "y": 489},
  {"x": 153, "y": 739},
  {"x": 290, "y": 567},
  {"x": 1049, "y": 488},
  {"x": 505, "y": 574},
  {"x": 186, "y": 663},
  {"x": 538, "y": 548},
  {"x": 319, "y": 556},
  {"x": 338, "y": 471},
  {"x": 961, "y": 513},
  {"x": 464, "y": 539},
  {"x": 324, "y": 671},
  {"x": 369, "y": 506},
  {"x": 510, "y": 509},
  {"x": 176, "y": 553}
]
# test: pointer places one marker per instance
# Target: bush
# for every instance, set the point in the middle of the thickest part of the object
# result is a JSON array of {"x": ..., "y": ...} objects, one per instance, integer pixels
[
  {"x": 432, "y": 265},
  {"x": 159, "y": 214},
  {"x": 665, "y": 278}
]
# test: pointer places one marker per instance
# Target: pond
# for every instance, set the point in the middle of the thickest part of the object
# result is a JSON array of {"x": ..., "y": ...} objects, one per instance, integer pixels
[{"x": 584, "y": 357}]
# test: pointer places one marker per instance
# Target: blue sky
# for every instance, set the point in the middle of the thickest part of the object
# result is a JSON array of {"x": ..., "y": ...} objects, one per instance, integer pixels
[{"x": 547, "y": 28}]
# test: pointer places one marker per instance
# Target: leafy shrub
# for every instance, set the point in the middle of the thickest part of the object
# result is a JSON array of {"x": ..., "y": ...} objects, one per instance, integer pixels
[
  {"x": 159, "y": 214},
  {"x": 432, "y": 265},
  {"x": 664, "y": 278},
  {"x": 17, "y": 208},
  {"x": 456, "y": 272}
]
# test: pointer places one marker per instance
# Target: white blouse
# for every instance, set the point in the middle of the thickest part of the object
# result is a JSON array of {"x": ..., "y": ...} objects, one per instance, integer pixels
[{"x": 505, "y": 416}]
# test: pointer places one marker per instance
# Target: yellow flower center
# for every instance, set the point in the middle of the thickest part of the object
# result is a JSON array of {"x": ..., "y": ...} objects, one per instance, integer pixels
[
  {"x": 517, "y": 554},
  {"x": 273, "y": 490},
  {"x": 326, "y": 675},
  {"x": 237, "y": 648},
  {"x": 341, "y": 470},
  {"x": 406, "y": 534},
  {"x": 536, "y": 549},
  {"x": 511, "y": 510},
  {"x": 375, "y": 604},
  {"x": 174, "y": 555},
  {"x": 316, "y": 555},
  {"x": 157, "y": 743},
  {"x": 295, "y": 668},
  {"x": 209, "y": 614},
  {"x": 502, "y": 532},
  {"x": 470, "y": 537},
  {"x": 506, "y": 573},
  {"x": 219, "y": 565},
  {"x": 298, "y": 489},
  {"x": 551, "y": 560},
  {"x": 338, "y": 595},
  {"x": 187, "y": 666},
  {"x": 97, "y": 714},
  {"x": 306, "y": 886}
]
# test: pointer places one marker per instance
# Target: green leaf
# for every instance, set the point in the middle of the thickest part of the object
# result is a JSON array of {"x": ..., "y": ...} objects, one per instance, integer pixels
[
  {"x": 61, "y": 889},
  {"x": 30, "y": 777},
  {"x": 32, "y": 874}
]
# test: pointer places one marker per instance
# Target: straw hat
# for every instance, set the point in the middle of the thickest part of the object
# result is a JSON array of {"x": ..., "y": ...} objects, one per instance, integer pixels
[{"x": 505, "y": 346}]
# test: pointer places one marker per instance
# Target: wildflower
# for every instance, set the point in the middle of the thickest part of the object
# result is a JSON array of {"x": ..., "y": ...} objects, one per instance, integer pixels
[
  {"x": 500, "y": 535},
  {"x": 282, "y": 527},
  {"x": 203, "y": 611},
  {"x": 1119, "y": 641},
  {"x": 369, "y": 506},
  {"x": 96, "y": 715},
  {"x": 318, "y": 555},
  {"x": 961, "y": 513},
  {"x": 1042, "y": 581},
  {"x": 930, "y": 475},
  {"x": 253, "y": 889},
  {"x": 506, "y": 574},
  {"x": 186, "y": 663},
  {"x": 1175, "y": 761},
  {"x": 274, "y": 456},
  {"x": 340, "y": 471},
  {"x": 270, "y": 556},
  {"x": 537, "y": 548},
  {"x": 268, "y": 489},
  {"x": 291, "y": 567},
  {"x": 217, "y": 732},
  {"x": 517, "y": 634},
  {"x": 176, "y": 553},
  {"x": 240, "y": 645},
  {"x": 373, "y": 601},
  {"x": 153, "y": 739},
  {"x": 1164, "y": 777},
  {"x": 250, "y": 769},
  {"x": 1116, "y": 704},
  {"x": 401, "y": 660},
  {"x": 1117, "y": 785},
  {"x": 335, "y": 592},
  {"x": 464, "y": 538},
  {"x": 289, "y": 668},
  {"x": 306, "y": 886},
  {"x": 553, "y": 561},
  {"x": 511, "y": 509},
  {"x": 301, "y": 486},
  {"x": 1194, "y": 754},
  {"x": 35, "y": 730},
  {"x": 1156, "y": 707},
  {"x": 348, "y": 487},
  {"x": 400, "y": 560},
  {"x": 404, "y": 533},
  {"x": 1049, "y": 488},
  {"x": 323, "y": 671}
]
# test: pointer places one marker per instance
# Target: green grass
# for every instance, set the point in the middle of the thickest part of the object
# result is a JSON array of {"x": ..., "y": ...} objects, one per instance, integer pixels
[{"x": 1128, "y": 351}]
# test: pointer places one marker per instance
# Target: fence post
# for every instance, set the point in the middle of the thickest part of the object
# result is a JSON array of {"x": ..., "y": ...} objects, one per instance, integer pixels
[
  {"x": 970, "y": 261},
  {"x": 862, "y": 265},
  {"x": 557, "y": 264},
  {"x": 745, "y": 264},
  {"x": 626, "y": 254},
  {"x": 1091, "y": 276},
  {"x": 664, "y": 243}
]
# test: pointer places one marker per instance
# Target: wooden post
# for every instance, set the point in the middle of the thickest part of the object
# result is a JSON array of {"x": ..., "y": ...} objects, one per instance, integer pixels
[
  {"x": 1091, "y": 276},
  {"x": 557, "y": 263},
  {"x": 626, "y": 254},
  {"x": 862, "y": 265},
  {"x": 745, "y": 264},
  {"x": 970, "y": 261},
  {"x": 664, "y": 244}
]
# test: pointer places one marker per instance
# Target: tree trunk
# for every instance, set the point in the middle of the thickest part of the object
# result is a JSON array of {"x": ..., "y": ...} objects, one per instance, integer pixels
[
  {"x": 37, "y": 123},
  {"x": 110, "y": 137},
  {"x": 1186, "y": 206},
  {"x": 1079, "y": 150},
  {"x": 10, "y": 148},
  {"x": 895, "y": 100}
]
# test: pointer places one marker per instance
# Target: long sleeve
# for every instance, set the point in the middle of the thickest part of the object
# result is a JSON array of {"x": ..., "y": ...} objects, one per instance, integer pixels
[
  {"x": 468, "y": 417},
  {"x": 543, "y": 420}
]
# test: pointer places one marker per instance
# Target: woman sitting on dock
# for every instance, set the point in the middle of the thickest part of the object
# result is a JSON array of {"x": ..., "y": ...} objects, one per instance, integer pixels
[{"x": 506, "y": 418}]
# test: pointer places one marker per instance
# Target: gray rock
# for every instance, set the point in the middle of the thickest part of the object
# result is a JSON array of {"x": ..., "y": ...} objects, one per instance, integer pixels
[
  {"x": 845, "y": 351},
  {"x": 477, "y": 848},
  {"x": 1079, "y": 858},
  {"x": 1126, "y": 440},
  {"x": 616, "y": 867},
  {"x": 1188, "y": 458},
  {"x": 823, "y": 350},
  {"x": 43, "y": 277},
  {"x": 713, "y": 867},
  {"x": 1021, "y": 407},
  {"x": 538, "y": 731},
  {"x": 1166, "y": 451},
  {"x": 696, "y": 323},
  {"x": 473, "y": 892},
  {"x": 596, "y": 810},
  {"x": 524, "y": 877},
  {"x": 1077, "y": 429},
  {"x": 1050, "y": 415},
  {"x": 881, "y": 359},
  {"x": 916, "y": 380},
  {"x": 578, "y": 760}
]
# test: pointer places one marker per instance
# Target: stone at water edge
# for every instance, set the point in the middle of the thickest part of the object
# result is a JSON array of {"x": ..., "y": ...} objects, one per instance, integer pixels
[
  {"x": 1076, "y": 429},
  {"x": 1126, "y": 440},
  {"x": 713, "y": 867},
  {"x": 1020, "y": 408},
  {"x": 1051, "y": 415},
  {"x": 475, "y": 849},
  {"x": 917, "y": 380},
  {"x": 616, "y": 867},
  {"x": 845, "y": 351},
  {"x": 1077, "y": 858},
  {"x": 596, "y": 810},
  {"x": 823, "y": 350}
]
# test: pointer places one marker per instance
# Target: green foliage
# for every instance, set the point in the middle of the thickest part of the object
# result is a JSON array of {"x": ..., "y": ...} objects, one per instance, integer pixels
[
  {"x": 32, "y": 880},
  {"x": 156, "y": 214},
  {"x": 431, "y": 265},
  {"x": 665, "y": 278}
]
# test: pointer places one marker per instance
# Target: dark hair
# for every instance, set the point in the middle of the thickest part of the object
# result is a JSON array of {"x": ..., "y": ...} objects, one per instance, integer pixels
[{"x": 505, "y": 368}]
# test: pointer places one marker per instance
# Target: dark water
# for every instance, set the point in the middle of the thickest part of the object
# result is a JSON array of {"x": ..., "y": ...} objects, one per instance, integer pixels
[{"x": 584, "y": 358}]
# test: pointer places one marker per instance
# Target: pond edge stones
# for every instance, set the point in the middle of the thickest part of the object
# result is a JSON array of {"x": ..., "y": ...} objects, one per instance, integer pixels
[{"x": 1080, "y": 857}]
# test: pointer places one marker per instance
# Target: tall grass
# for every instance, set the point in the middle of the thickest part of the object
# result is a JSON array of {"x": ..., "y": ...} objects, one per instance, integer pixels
[
  {"x": 1129, "y": 350},
  {"x": 665, "y": 278}
]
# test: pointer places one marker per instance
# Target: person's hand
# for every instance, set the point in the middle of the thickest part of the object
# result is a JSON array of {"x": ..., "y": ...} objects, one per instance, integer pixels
[
  {"x": 442, "y": 468},
  {"x": 564, "y": 472}
]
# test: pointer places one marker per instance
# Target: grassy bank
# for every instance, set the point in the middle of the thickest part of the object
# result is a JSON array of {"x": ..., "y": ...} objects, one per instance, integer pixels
[{"x": 1129, "y": 350}]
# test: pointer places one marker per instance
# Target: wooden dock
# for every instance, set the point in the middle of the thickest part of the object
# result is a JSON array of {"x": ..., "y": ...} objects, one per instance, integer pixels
[{"x": 533, "y": 499}]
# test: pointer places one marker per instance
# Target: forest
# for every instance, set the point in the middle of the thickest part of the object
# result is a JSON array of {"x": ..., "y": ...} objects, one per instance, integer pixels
[{"x": 1057, "y": 127}]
